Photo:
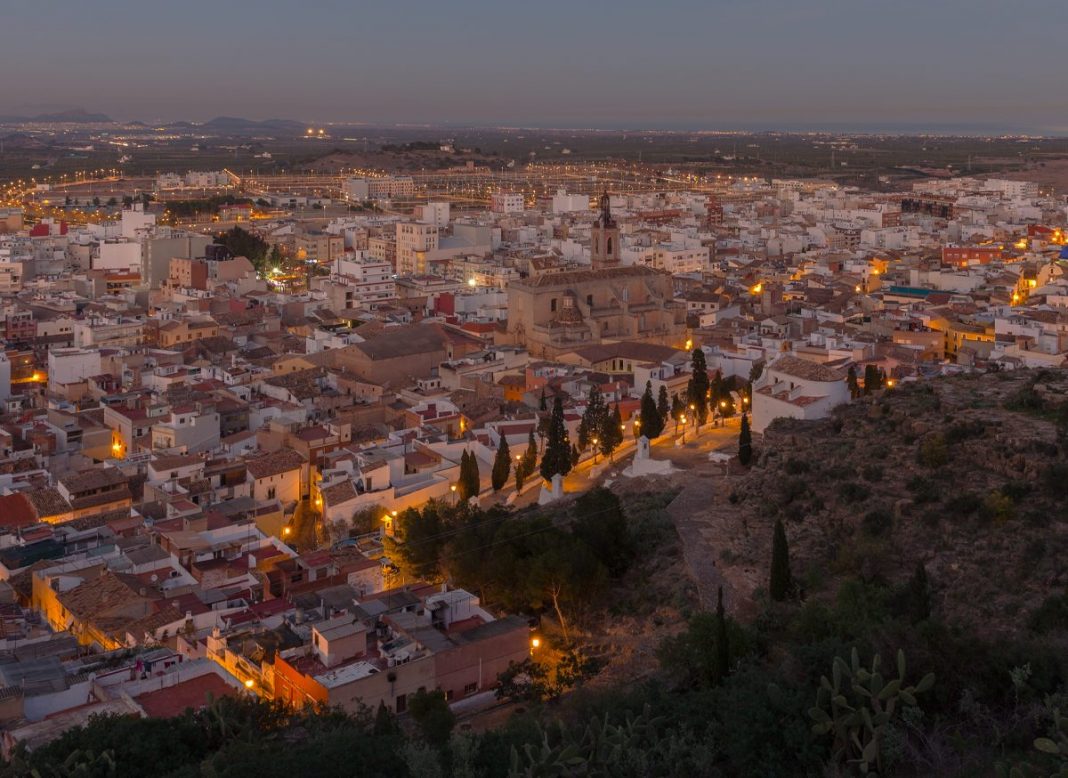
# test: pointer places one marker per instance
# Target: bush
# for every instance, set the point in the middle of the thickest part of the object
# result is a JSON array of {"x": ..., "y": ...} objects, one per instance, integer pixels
[
  {"x": 923, "y": 490},
  {"x": 933, "y": 452},
  {"x": 1051, "y": 615},
  {"x": 850, "y": 491},
  {"x": 997, "y": 506},
  {"x": 877, "y": 523},
  {"x": 796, "y": 466},
  {"x": 872, "y": 473},
  {"x": 964, "y": 430},
  {"x": 963, "y": 505}
]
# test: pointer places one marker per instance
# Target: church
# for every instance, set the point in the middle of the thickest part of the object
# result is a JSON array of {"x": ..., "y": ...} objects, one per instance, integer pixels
[{"x": 555, "y": 313}]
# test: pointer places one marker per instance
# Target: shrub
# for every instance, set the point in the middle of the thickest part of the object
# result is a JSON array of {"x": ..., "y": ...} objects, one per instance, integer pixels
[
  {"x": 850, "y": 491},
  {"x": 796, "y": 466},
  {"x": 877, "y": 522},
  {"x": 872, "y": 473},
  {"x": 963, "y": 505},
  {"x": 922, "y": 490},
  {"x": 997, "y": 506},
  {"x": 1051, "y": 615},
  {"x": 964, "y": 430},
  {"x": 933, "y": 452}
]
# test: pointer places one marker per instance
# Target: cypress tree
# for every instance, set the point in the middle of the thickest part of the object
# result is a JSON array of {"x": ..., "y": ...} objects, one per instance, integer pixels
[
  {"x": 520, "y": 476},
  {"x": 611, "y": 433},
  {"x": 698, "y": 388},
  {"x": 575, "y": 455},
  {"x": 745, "y": 442},
  {"x": 652, "y": 423},
  {"x": 592, "y": 418},
  {"x": 502, "y": 466},
  {"x": 663, "y": 405},
  {"x": 473, "y": 480},
  {"x": 722, "y": 659},
  {"x": 541, "y": 403},
  {"x": 530, "y": 456},
  {"x": 851, "y": 382},
  {"x": 678, "y": 410},
  {"x": 871, "y": 378},
  {"x": 918, "y": 596},
  {"x": 557, "y": 456},
  {"x": 780, "y": 586},
  {"x": 461, "y": 479}
]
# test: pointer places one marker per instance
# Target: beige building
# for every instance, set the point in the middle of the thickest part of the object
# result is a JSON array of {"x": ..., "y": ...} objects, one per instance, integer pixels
[
  {"x": 319, "y": 247},
  {"x": 414, "y": 242},
  {"x": 554, "y": 313}
]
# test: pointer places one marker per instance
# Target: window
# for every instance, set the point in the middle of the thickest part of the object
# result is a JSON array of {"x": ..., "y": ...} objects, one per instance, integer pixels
[
  {"x": 271, "y": 493},
  {"x": 589, "y": 300},
  {"x": 552, "y": 305},
  {"x": 402, "y": 703},
  {"x": 471, "y": 688}
]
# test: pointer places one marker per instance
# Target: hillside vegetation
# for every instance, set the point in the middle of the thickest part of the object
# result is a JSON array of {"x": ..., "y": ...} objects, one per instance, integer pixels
[{"x": 967, "y": 476}]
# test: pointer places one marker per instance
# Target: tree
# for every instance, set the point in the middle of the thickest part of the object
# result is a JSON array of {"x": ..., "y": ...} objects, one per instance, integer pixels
[
  {"x": 745, "y": 442},
  {"x": 918, "y": 596},
  {"x": 652, "y": 422},
  {"x": 242, "y": 243},
  {"x": 781, "y": 584},
  {"x": 431, "y": 712},
  {"x": 722, "y": 663},
  {"x": 611, "y": 433},
  {"x": 602, "y": 526},
  {"x": 678, "y": 410},
  {"x": 530, "y": 457},
  {"x": 520, "y": 476},
  {"x": 469, "y": 483},
  {"x": 873, "y": 379},
  {"x": 697, "y": 390},
  {"x": 851, "y": 382},
  {"x": 592, "y": 418},
  {"x": 557, "y": 456},
  {"x": 663, "y": 405},
  {"x": 502, "y": 466},
  {"x": 575, "y": 455},
  {"x": 541, "y": 403}
]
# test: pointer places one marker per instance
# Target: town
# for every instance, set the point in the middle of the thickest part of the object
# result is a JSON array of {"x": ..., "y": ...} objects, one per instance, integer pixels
[{"x": 229, "y": 401}]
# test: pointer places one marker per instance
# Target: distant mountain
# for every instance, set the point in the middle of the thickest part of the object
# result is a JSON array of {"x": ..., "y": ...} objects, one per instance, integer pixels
[
  {"x": 73, "y": 116},
  {"x": 79, "y": 115}
]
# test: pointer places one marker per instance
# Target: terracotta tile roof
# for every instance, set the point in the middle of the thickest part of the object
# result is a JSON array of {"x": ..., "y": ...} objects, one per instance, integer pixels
[
  {"x": 807, "y": 370},
  {"x": 174, "y": 700},
  {"x": 16, "y": 511},
  {"x": 275, "y": 463}
]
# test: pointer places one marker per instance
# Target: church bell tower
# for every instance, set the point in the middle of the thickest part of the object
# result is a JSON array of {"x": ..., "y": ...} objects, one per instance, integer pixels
[{"x": 604, "y": 248}]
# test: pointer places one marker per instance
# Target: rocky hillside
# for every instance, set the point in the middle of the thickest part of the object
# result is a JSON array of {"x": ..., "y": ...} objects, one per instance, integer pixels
[{"x": 968, "y": 475}]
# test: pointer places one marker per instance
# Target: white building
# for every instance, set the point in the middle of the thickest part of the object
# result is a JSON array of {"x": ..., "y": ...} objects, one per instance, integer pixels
[
  {"x": 797, "y": 388},
  {"x": 569, "y": 203},
  {"x": 414, "y": 242},
  {"x": 135, "y": 219},
  {"x": 119, "y": 255},
  {"x": 433, "y": 213},
  {"x": 71, "y": 366},
  {"x": 506, "y": 202}
]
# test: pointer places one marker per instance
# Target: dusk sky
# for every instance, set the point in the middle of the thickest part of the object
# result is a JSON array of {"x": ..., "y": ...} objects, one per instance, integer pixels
[{"x": 715, "y": 64}]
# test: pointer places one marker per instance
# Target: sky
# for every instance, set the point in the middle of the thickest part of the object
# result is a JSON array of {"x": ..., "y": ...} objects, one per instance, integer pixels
[{"x": 672, "y": 64}]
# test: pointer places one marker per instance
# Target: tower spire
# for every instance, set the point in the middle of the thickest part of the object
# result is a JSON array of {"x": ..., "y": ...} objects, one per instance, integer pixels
[{"x": 606, "y": 210}]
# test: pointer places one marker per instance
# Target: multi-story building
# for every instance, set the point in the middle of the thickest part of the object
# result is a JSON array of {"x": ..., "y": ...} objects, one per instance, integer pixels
[
  {"x": 506, "y": 202},
  {"x": 414, "y": 242}
]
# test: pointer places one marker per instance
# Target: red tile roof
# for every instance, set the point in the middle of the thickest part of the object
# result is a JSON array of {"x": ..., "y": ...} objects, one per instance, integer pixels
[
  {"x": 173, "y": 700},
  {"x": 16, "y": 511}
]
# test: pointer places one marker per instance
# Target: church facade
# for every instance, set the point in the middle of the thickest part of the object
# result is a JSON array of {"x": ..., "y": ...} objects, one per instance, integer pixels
[{"x": 555, "y": 313}]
